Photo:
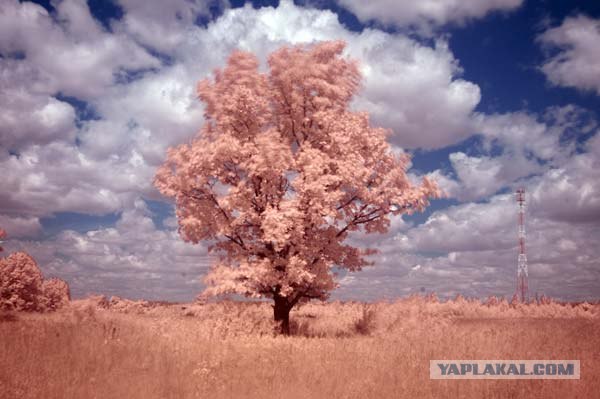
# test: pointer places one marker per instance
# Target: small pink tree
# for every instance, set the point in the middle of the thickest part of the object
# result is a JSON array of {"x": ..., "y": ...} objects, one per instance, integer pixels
[
  {"x": 55, "y": 293},
  {"x": 20, "y": 283},
  {"x": 282, "y": 172},
  {"x": 22, "y": 287}
]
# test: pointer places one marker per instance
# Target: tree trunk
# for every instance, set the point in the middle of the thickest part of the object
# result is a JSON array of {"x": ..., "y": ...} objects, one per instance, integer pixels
[{"x": 281, "y": 314}]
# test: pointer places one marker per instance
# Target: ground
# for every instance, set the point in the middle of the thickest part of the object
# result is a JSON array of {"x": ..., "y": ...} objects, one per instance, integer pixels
[{"x": 124, "y": 349}]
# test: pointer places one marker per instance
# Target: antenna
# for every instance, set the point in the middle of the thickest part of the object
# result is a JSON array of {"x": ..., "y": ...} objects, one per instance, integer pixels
[{"x": 522, "y": 272}]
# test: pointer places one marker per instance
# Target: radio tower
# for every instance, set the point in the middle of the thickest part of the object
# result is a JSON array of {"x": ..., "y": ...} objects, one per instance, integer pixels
[{"x": 522, "y": 273}]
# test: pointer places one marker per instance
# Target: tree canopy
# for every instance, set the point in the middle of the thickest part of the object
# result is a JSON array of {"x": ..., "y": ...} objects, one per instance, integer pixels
[{"x": 282, "y": 171}]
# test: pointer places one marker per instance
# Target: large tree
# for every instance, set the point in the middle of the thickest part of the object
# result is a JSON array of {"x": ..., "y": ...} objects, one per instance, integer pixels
[{"x": 282, "y": 172}]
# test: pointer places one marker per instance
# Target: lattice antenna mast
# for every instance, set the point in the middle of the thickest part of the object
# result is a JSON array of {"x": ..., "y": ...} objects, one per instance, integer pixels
[{"x": 522, "y": 272}]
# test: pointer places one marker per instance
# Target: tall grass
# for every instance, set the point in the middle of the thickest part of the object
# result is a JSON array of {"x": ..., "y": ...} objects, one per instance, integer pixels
[{"x": 340, "y": 350}]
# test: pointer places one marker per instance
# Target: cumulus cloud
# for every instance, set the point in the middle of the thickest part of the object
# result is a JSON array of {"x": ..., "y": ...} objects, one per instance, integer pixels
[
  {"x": 408, "y": 87},
  {"x": 450, "y": 187},
  {"x": 515, "y": 146},
  {"x": 467, "y": 227},
  {"x": 28, "y": 117},
  {"x": 411, "y": 88},
  {"x": 133, "y": 259},
  {"x": 414, "y": 90},
  {"x": 571, "y": 192},
  {"x": 520, "y": 131},
  {"x": 17, "y": 226},
  {"x": 156, "y": 111},
  {"x": 55, "y": 160},
  {"x": 43, "y": 55},
  {"x": 460, "y": 249},
  {"x": 162, "y": 25},
  {"x": 57, "y": 177},
  {"x": 70, "y": 50},
  {"x": 563, "y": 208},
  {"x": 472, "y": 249},
  {"x": 100, "y": 165},
  {"x": 575, "y": 59},
  {"x": 425, "y": 14},
  {"x": 479, "y": 176}
]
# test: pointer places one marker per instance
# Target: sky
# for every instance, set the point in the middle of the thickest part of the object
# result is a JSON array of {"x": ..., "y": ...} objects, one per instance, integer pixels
[{"x": 487, "y": 96}]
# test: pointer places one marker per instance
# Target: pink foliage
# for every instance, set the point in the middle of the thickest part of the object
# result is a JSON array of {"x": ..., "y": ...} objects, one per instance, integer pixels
[
  {"x": 282, "y": 171},
  {"x": 20, "y": 283},
  {"x": 55, "y": 293},
  {"x": 22, "y": 287}
]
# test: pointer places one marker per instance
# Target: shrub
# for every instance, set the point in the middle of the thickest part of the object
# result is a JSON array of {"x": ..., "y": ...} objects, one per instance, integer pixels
[
  {"x": 22, "y": 286},
  {"x": 20, "y": 283},
  {"x": 366, "y": 322},
  {"x": 55, "y": 293}
]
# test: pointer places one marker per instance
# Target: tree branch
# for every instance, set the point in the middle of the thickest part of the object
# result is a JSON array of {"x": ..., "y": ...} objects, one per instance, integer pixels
[
  {"x": 211, "y": 198},
  {"x": 354, "y": 197}
]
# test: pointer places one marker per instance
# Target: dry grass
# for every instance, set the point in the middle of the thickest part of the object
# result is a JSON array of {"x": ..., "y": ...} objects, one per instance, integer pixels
[{"x": 350, "y": 350}]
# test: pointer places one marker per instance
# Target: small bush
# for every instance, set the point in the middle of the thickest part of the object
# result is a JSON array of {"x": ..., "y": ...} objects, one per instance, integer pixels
[
  {"x": 23, "y": 288},
  {"x": 56, "y": 293},
  {"x": 366, "y": 322},
  {"x": 20, "y": 283}
]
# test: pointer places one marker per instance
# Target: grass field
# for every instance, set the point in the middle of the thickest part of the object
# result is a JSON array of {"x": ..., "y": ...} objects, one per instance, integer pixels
[{"x": 339, "y": 350}]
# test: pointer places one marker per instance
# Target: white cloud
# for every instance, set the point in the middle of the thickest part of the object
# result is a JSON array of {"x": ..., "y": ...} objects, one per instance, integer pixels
[
  {"x": 577, "y": 63},
  {"x": 425, "y": 14},
  {"x": 70, "y": 50},
  {"x": 411, "y": 88},
  {"x": 162, "y": 25},
  {"x": 159, "y": 110},
  {"x": 414, "y": 90},
  {"x": 482, "y": 176},
  {"x": 467, "y": 227},
  {"x": 472, "y": 249},
  {"x": 31, "y": 118},
  {"x": 116, "y": 154},
  {"x": 571, "y": 192},
  {"x": 134, "y": 259},
  {"x": 57, "y": 177},
  {"x": 16, "y": 226},
  {"x": 520, "y": 145},
  {"x": 519, "y": 132},
  {"x": 450, "y": 187},
  {"x": 113, "y": 160},
  {"x": 479, "y": 176}
]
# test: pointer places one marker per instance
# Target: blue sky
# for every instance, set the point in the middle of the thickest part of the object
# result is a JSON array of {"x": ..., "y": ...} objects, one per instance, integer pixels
[{"x": 486, "y": 95}]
